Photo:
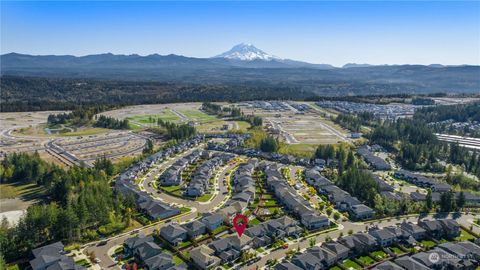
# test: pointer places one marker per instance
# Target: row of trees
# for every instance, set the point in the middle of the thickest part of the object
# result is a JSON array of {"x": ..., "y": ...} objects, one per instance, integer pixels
[
  {"x": 354, "y": 122},
  {"x": 457, "y": 113},
  {"x": 253, "y": 120},
  {"x": 111, "y": 123},
  {"x": 80, "y": 116},
  {"x": 81, "y": 204},
  {"x": 353, "y": 177},
  {"x": 221, "y": 110},
  {"x": 178, "y": 131},
  {"x": 417, "y": 147}
]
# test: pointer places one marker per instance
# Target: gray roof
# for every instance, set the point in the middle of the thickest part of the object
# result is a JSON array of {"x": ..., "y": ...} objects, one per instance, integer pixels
[
  {"x": 411, "y": 264},
  {"x": 286, "y": 266},
  {"x": 335, "y": 247},
  {"x": 159, "y": 261},
  {"x": 134, "y": 242},
  {"x": 388, "y": 265},
  {"x": 214, "y": 218},
  {"x": 194, "y": 225},
  {"x": 52, "y": 249},
  {"x": 173, "y": 230}
]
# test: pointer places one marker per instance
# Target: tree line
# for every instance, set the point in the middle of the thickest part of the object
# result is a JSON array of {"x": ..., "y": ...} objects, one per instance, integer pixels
[
  {"x": 111, "y": 123},
  {"x": 178, "y": 131},
  {"x": 80, "y": 207},
  {"x": 354, "y": 122},
  {"x": 222, "y": 111}
]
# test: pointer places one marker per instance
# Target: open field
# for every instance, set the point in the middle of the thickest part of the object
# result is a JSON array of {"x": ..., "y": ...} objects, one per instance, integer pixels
[
  {"x": 25, "y": 191},
  {"x": 16, "y": 197},
  {"x": 144, "y": 116},
  {"x": 295, "y": 127}
]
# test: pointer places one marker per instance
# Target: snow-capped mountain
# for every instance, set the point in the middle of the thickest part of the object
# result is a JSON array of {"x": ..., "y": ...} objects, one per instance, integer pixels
[{"x": 246, "y": 52}]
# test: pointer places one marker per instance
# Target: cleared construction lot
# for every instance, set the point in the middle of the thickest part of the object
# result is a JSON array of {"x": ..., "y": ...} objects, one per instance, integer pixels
[
  {"x": 306, "y": 127},
  {"x": 27, "y": 132}
]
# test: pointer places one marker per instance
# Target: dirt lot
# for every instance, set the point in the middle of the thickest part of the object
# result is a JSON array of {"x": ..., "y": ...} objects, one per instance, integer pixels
[{"x": 307, "y": 128}]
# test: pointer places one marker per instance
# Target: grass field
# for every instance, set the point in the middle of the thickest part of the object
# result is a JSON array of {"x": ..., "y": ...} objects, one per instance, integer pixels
[
  {"x": 13, "y": 267},
  {"x": 198, "y": 115},
  {"x": 349, "y": 264},
  {"x": 300, "y": 149},
  {"x": 205, "y": 198},
  {"x": 428, "y": 244},
  {"x": 166, "y": 115},
  {"x": 254, "y": 222},
  {"x": 177, "y": 260},
  {"x": 464, "y": 235},
  {"x": 171, "y": 188},
  {"x": 85, "y": 132},
  {"x": 335, "y": 268},
  {"x": 396, "y": 250},
  {"x": 366, "y": 260},
  {"x": 379, "y": 255},
  {"x": 10, "y": 191}
]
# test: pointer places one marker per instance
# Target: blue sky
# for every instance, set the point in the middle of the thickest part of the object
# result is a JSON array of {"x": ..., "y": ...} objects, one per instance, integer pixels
[{"x": 318, "y": 32}]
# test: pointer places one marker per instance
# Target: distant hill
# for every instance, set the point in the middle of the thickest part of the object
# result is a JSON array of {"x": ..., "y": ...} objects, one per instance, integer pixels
[{"x": 240, "y": 73}]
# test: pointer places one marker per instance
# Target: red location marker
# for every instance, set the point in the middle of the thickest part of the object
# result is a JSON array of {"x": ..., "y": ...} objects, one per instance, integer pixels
[{"x": 240, "y": 227}]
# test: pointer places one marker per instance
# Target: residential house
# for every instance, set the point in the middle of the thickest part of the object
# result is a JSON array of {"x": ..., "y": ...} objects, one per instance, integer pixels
[
  {"x": 131, "y": 244},
  {"x": 361, "y": 211},
  {"x": 160, "y": 261},
  {"x": 340, "y": 251},
  {"x": 173, "y": 233},
  {"x": 146, "y": 250},
  {"x": 409, "y": 263},
  {"x": 313, "y": 221},
  {"x": 383, "y": 236},
  {"x": 388, "y": 265},
  {"x": 204, "y": 257},
  {"x": 286, "y": 266},
  {"x": 195, "y": 228},
  {"x": 414, "y": 230},
  {"x": 52, "y": 257},
  {"x": 228, "y": 249},
  {"x": 212, "y": 221}
]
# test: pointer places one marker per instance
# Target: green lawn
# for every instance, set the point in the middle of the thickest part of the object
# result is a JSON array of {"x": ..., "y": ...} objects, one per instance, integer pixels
[
  {"x": 380, "y": 255},
  {"x": 335, "y": 268},
  {"x": 86, "y": 132},
  {"x": 171, "y": 188},
  {"x": 396, "y": 250},
  {"x": 198, "y": 115},
  {"x": 267, "y": 196},
  {"x": 177, "y": 260},
  {"x": 242, "y": 125},
  {"x": 254, "y": 222},
  {"x": 10, "y": 191},
  {"x": 464, "y": 235},
  {"x": 366, "y": 260},
  {"x": 270, "y": 203},
  {"x": 119, "y": 250},
  {"x": 166, "y": 115},
  {"x": 427, "y": 244},
  {"x": 204, "y": 198},
  {"x": 13, "y": 267},
  {"x": 220, "y": 229},
  {"x": 183, "y": 244},
  {"x": 185, "y": 210},
  {"x": 349, "y": 264},
  {"x": 83, "y": 262}
]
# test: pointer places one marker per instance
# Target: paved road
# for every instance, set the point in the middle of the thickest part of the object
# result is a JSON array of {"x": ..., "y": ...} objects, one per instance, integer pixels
[
  {"x": 102, "y": 251},
  {"x": 355, "y": 227},
  {"x": 333, "y": 130},
  {"x": 220, "y": 193},
  {"x": 288, "y": 137}
]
